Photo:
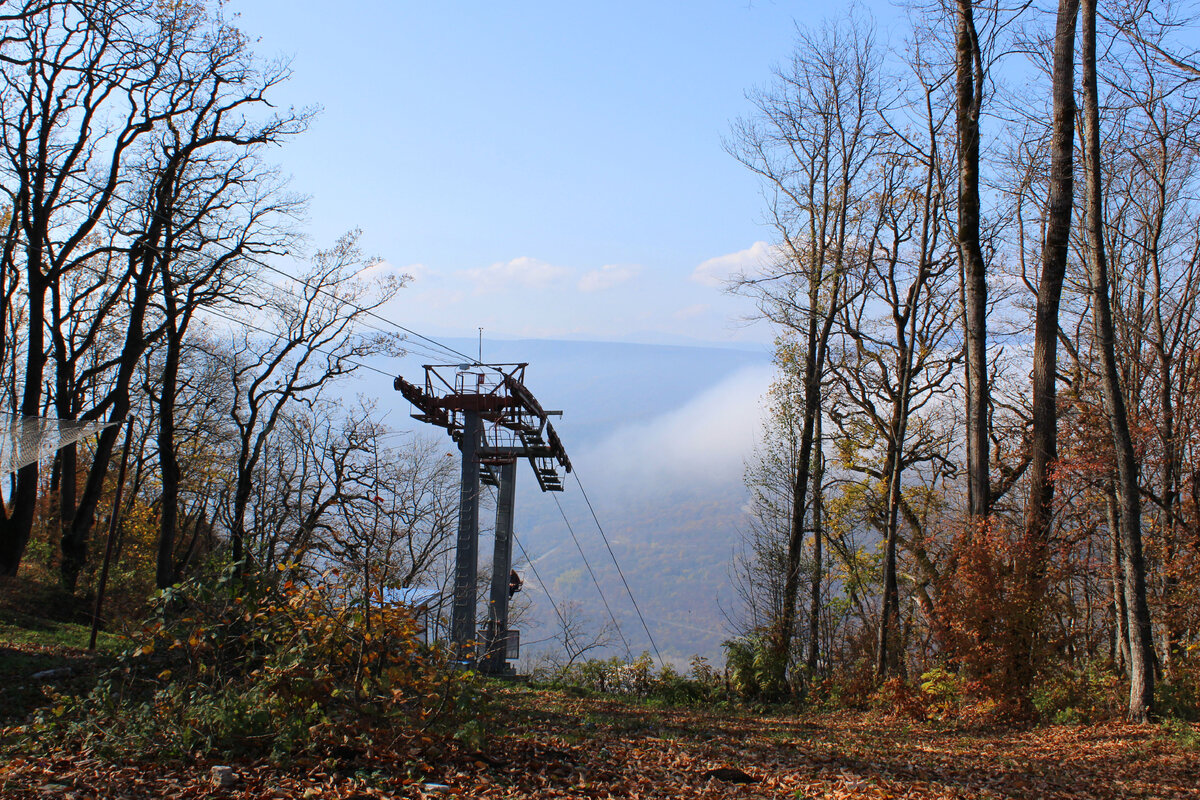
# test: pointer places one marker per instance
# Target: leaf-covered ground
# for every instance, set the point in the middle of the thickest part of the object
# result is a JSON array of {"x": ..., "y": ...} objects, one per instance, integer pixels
[{"x": 546, "y": 745}]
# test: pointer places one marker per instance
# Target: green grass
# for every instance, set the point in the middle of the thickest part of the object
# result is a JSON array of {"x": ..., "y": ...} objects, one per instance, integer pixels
[
  {"x": 32, "y": 645},
  {"x": 19, "y": 628},
  {"x": 1185, "y": 735}
]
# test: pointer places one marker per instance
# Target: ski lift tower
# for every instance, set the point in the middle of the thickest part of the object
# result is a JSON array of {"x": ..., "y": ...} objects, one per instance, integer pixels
[{"x": 496, "y": 422}]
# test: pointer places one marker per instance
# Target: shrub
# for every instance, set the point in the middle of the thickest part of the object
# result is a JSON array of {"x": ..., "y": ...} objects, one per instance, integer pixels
[
  {"x": 943, "y": 690},
  {"x": 1178, "y": 700},
  {"x": 753, "y": 668},
  {"x": 1073, "y": 696},
  {"x": 899, "y": 698},
  {"x": 232, "y": 665},
  {"x": 850, "y": 688},
  {"x": 638, "y": 678}
]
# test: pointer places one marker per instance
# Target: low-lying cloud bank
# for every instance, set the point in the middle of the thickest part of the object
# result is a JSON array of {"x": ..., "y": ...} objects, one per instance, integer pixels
[{"x": 703, "y": 443}]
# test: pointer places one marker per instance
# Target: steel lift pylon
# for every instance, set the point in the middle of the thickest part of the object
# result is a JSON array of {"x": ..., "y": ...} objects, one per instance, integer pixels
[{"x": 496, "y": 421}]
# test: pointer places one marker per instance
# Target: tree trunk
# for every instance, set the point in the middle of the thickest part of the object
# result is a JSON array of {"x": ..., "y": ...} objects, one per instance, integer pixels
[
  {"x": 1120, "y": 649},
  {"x": 886, "y": 658},
  {"x": 1141, "y": 645},
  {"x": 791, "y": 583},
  {"x": 1032, "y": 572},
  {"x": 814, "y": 600},
  {"x": 169, "y": 464},
  {"x": 969, "y": 93},
  {"x": 75, "y": 539}
]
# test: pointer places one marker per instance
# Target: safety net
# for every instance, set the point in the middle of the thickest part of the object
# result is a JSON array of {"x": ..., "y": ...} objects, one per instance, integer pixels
[{"x": 24, "y": 440}]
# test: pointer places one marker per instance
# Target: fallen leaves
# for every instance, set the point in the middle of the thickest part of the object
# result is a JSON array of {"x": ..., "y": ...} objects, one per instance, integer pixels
[{"x": 548, "y": 745}]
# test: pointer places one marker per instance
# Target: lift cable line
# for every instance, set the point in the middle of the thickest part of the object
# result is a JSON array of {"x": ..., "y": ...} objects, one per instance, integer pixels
[
  {"x": 620, "y": 572},
  {"x": 496, "y": 421},
  {"x": 541, "y": 583},
  {"x": 444, "y": 349},
  {"x": 281, "y": 337},
  {"x": 448, "y": 350},
  {"x": 586, "y": 563},
  {"x": 246, "y": 324},
  {"x": 533, "y": 568},
  {"x": 411, "y": 347}
]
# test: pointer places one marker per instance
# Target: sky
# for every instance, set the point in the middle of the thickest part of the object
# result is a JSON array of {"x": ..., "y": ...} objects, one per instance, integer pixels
[
  {"x": 555, "y": 170},
  {"x": 540, "y": 169}
]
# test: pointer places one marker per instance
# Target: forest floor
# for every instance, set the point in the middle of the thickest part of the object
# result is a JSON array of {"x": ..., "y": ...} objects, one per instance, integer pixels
[{"x": 539, "y": 744}]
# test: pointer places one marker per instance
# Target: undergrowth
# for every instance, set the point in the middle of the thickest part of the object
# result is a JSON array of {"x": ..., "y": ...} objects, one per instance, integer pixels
[{"x": 243, "y": 666}]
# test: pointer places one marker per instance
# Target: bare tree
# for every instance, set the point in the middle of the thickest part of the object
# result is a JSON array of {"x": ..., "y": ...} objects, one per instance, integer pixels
[
  {"x": 894, "y": 356},
  {"x": 306, "y": 340},
  {"x": 577, "y": 635},
  {"x": 812, "y": 142},
  {"x": 1044, "y": 434},
  {"x": 80, "y": 84},
  {"x": 760, "y": 567},
  {"x": 969, "y": 87}
]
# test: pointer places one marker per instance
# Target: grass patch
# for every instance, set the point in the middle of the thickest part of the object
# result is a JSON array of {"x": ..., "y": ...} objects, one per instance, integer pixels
[
  {"x": 20, "y": 628},
  {"x": 42, "y": 657},
  {"x": 1182, "y": 733}
]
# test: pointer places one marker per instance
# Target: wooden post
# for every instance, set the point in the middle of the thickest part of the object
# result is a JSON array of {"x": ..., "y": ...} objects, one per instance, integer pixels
[{"x": 112, "y": 534}]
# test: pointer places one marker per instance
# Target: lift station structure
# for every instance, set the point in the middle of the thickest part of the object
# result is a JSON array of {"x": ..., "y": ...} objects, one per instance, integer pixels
[{"x": 496, "y": 421}]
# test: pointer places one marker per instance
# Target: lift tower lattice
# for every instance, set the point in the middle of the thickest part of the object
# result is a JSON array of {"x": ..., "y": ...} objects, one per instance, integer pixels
[{"x": 496, "y": 421}]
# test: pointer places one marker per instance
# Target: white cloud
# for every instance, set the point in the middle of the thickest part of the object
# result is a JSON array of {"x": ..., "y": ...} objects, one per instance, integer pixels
[
  {"x": 716, "y": 271},
  {"x": 606, "y": 277},
  {"x": 418, "y": 272},
  {"x": 702, "y": 443},
  {"x": 692, "y": 311},
  {"x": 519, "y": 273},
  {"x": 384, "y": 270}
]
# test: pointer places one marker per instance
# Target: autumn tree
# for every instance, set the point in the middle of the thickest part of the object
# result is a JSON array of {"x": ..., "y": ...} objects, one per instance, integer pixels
[
  {"x": 970, "y": 77},
  {"x": 1044, "y": 433},
  {"x": 812, "y": 142},
  {"x": 1141, "y": 664},
  {"x": 894, "y": 354}
]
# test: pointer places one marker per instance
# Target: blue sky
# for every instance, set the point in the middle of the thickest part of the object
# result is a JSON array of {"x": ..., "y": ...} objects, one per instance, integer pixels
[{"x": 542, "y": 169}]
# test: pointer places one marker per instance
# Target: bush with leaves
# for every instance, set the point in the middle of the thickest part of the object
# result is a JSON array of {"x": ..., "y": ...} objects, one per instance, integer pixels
[
  {"x": 1088, "y": 694},
  {"x": 1179, "y": 698},
  {"x": 230, "y": 665},
  {"x": 752, "y": 665},
  {"x": 638, "y": 678}
]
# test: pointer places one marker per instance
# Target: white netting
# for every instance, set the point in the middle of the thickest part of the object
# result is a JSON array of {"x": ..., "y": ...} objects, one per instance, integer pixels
[{"x": 24, "y": 440}]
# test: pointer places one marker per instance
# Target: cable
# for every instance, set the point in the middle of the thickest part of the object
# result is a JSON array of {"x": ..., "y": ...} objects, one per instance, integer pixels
[
  {"x": 210, "y": 310},
  {"x": 586, "y": 563},
  {"x": 541, "y": 582},
  {"x": 618, "y": 566},
  {"x": 410, "y": 346},
  {"x": 447, "y": 348},
  {"x": 252, "y": 326}
]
